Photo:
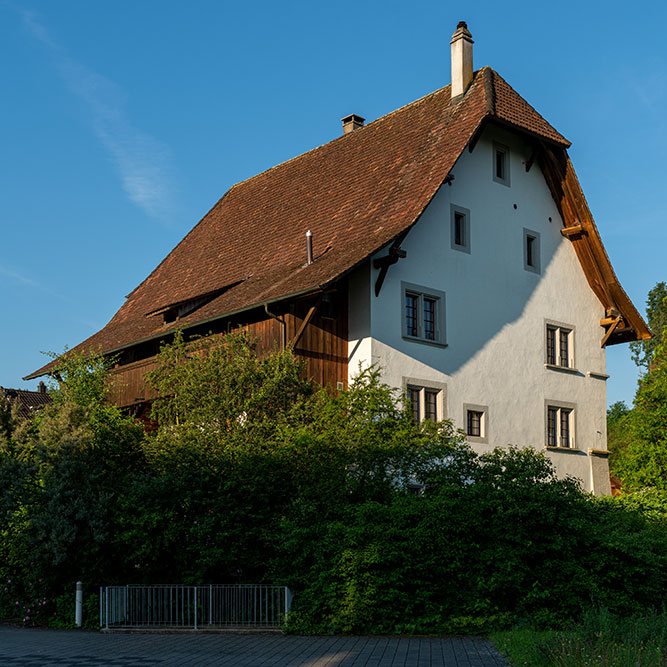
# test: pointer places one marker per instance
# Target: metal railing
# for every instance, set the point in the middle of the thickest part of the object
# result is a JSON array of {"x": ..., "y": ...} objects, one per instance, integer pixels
[{"x": 197, "y": 607}]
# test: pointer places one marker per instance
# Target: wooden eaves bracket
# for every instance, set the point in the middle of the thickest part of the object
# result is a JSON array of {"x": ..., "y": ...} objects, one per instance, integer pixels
[
  {"x": 613, "y": 325},
  {"x": 383, "y": 263},
  {"x": 575, "y": 230}
]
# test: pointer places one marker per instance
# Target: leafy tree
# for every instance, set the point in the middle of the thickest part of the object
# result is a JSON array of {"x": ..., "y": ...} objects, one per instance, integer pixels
[
  {"x": 69, "y": 467},
  {"x": 643, "y": 351},
  {"x": 641, "y": 458}
]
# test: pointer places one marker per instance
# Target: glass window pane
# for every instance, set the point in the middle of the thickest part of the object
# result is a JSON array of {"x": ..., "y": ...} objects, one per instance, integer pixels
[
  {"x": 431, "y": 405},
  {"x": 552, "y": 424},
  {"x": 413, "y": 397},
  {"x": 551, "y": 345},
  {"x": 564, "y": 348},
  {"x": 564, "y": 428},
  {"x": 429, "y": 318},
  {"x": 474, "y": 423},
  {"x": 411, "y": 314}
]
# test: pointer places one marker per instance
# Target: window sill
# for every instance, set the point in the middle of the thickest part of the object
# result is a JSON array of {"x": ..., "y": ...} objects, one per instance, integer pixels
[
  {"x": 599, "y": 452},
  {"x": 477, "y": 439},
  {"x": 598, "y": 376},
  {"x": 414, "y": 339},
  {"x": 564, "y": 369},
  {"x": 562, "y": 449}
]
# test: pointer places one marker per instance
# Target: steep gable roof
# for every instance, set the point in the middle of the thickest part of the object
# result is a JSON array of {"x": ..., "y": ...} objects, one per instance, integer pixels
[{"x": 356, "y": 193}]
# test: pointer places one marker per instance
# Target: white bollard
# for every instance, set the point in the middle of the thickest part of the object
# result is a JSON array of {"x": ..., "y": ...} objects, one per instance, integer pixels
[{"x": 78, "y": 609}]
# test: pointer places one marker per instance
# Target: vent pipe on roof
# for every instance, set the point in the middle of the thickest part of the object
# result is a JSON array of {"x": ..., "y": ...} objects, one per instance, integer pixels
[
  {"x": 352, "y": 122},
  {"x": 309, "y": 247},
  {"x": 461, "y": 59}
]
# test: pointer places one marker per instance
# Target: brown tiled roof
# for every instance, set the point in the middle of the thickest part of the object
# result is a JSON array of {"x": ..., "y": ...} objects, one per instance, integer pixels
[
  {"x": 29, "y": 401},
  {"x": 356, "y": 194}
]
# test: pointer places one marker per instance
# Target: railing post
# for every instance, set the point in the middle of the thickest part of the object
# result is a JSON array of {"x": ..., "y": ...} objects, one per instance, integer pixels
[
  {"x": 78, "y": 605},
  {"x": 106, "y": 601},
  {"x": 101, "y": 607},
  {"x": 288, "y": 601},
  {"x": 210, "y": 604},
  {"x": 196, "y": 628}
]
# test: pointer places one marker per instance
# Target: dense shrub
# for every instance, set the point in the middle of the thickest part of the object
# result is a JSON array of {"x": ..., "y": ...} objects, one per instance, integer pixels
[{"x": 253, "y": 475}]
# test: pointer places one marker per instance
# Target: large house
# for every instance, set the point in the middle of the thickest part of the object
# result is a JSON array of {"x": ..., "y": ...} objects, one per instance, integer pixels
[{"x": 449, "y": 242}]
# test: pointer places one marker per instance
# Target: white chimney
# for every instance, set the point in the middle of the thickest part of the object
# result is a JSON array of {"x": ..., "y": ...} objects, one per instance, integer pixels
[{"x": 461, "y": 59}]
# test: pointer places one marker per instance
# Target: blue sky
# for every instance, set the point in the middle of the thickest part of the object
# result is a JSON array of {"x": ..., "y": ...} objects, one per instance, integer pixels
[{"x": 123, "y": 122}]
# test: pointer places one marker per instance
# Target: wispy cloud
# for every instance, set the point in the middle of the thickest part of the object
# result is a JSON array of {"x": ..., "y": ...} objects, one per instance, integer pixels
[
  {"x": 18, "y": 277},
  {"x": 144, "y": 163},
  {"x": 21, "y": 278}
]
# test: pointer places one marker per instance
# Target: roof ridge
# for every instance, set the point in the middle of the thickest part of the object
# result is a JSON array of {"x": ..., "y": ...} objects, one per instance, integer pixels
[{"x": 309, "y": 152}]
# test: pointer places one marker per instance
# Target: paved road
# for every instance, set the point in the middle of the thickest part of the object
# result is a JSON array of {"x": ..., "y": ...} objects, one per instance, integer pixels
[{"x": 39, "y": 648}]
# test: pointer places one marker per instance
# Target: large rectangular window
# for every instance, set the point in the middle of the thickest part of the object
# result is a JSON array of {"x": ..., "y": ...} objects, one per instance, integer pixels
[
  {"x": 560, "y": 425},
  {"x": 560, "y": 345},
  {"x": 423, "y": 314},
  {"x": 426, "y": 399}
]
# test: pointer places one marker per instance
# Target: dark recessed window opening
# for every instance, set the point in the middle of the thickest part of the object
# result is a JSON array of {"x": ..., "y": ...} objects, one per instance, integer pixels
[
  {"x": 500, "y": 165},
  {"x": 459, "y": 229},
  {"x": 530, "y": 250}
]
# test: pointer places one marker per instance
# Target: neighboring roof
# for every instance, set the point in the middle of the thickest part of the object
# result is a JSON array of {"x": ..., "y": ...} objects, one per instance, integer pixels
[
  {"x": 355, "y": 194},
  {"x": 29, "y": 401}
]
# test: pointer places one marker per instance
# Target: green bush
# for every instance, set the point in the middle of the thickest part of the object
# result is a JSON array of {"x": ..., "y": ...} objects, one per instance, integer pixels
[{"x": 253, "y": 475}]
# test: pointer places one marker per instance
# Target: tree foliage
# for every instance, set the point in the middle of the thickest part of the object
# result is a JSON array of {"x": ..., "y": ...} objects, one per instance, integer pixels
[{"x": 643, "y": 351}]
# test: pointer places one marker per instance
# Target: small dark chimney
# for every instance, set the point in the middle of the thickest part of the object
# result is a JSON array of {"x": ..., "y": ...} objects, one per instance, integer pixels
[
  {"x": 352, "y": 122},
  {"x": 41, "y": 387},
  {"x": 309, "y": 247}
]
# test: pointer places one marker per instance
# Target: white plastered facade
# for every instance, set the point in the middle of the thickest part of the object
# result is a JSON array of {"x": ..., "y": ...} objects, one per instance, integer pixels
[{"x": 496, "y": 313}]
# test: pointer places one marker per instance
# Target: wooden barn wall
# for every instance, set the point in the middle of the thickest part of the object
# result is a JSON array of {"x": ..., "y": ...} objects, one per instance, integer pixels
[{"x": 322, "y": 346}]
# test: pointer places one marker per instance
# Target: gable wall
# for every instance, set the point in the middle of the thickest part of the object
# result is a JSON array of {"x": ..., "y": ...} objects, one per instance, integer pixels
[{"x": 495, "y": 310}]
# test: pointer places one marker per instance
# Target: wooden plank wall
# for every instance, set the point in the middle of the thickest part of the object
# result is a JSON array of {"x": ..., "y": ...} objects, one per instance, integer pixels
[{"x": 322, "y": 346}]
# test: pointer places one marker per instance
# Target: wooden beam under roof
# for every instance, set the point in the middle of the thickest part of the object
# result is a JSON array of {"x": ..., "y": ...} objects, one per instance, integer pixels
[{"x": 569, "y": 198}]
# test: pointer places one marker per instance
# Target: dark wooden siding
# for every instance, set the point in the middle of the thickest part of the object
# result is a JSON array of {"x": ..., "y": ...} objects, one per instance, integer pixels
[{"x": 322, "y": 346}]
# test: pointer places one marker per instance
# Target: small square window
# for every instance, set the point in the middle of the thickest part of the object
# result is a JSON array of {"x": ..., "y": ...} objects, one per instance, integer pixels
[
  {"x": 460, "y": 228},
  {"x": 426, "y": 402},
  {"x": 560, "y": 345},
  {"x": 476, "y": 421},
  {"x": 423, "y": 314},
  {"x": 560, "y": 425},
  {"x": 531, "y": 251},
  {"x": 501, "y": 164}
]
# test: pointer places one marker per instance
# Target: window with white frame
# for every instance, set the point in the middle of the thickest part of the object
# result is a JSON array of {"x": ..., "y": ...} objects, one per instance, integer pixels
[
  {"x": 476, "y": 422},
  {"x": 560, "y": 425},
  {"x": 531, "y": 251},
  {"x": 423, "y": 314},
  {"x": 460, "y": 228},
  {"x": 559, "y": 345},
  {"x": 501, "y": 164},
  {"x": 426, "y": 400}
]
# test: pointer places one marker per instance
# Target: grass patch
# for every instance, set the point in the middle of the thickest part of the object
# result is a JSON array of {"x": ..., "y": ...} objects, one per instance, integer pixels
[{"x": 601, "y": 639}]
